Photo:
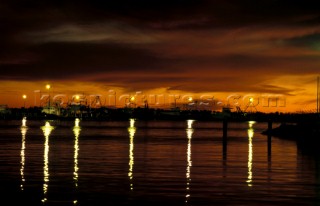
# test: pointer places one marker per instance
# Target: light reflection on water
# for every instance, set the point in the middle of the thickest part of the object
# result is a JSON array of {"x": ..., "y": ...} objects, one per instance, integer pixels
[
  {"x": 22, "y": 152},
  {"x": 250, "y": 152},
  {"x": 189, "y": 161},
  {"x": 164, "y": 163},
  {"x": 47, "y": 128},
  {"x": 76, "y": 131},
  {"x": 132, "y": 131}
]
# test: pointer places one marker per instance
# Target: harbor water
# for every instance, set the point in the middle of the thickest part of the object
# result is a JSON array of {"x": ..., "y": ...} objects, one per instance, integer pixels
[{"x": 152, "y": 163}]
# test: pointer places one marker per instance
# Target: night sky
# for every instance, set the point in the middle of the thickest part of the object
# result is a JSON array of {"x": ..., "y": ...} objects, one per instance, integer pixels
[{"x": 195, "y": 47}]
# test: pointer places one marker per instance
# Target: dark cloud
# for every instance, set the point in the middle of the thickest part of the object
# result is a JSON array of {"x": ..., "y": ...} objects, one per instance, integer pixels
[
  {"x": 275, "y": 89},
  {"x": 158, "y": 13},
  {"x": 35, "y": 47},
  {"x": 69, "y": 60},
  {"x": 124, "y": 63},
  {"x": 311, "y": 41}
]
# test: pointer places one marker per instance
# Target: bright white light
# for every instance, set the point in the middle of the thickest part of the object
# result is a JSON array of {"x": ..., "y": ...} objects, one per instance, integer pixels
[
  {"x": 132, "y": 121},
  {"x": 190, "y": 122},
  {"x": 24, "y": 122},
  {"x": 251, "y": 123},
  {"x": 76, "y": 122}
]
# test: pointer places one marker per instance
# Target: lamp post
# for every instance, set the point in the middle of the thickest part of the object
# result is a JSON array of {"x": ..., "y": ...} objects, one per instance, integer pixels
[
  {"x": 24, "y": 97},
  {"x": 48, "y": 86},
  {"x": 78, "y": 101},
  {"x": 190, "y": 102},
  {"x": 132, "y": 99}
]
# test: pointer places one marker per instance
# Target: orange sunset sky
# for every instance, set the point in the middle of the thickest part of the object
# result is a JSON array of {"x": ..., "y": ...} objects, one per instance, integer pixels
[{"x": 217, "y": 49}]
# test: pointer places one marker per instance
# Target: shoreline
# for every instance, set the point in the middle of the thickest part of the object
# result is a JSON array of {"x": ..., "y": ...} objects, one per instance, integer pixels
[{"x": 123, "y": 114}]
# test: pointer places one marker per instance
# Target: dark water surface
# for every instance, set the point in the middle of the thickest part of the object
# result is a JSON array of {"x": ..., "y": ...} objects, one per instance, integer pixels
[{"x": 151, "y": 163}]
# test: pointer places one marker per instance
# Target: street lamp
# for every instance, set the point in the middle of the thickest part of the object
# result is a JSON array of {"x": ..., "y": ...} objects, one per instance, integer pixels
[
  {"x": 24, "y": 97},
  {"x": 132, "y": 99},
  {"x": 48, "y": 88}
]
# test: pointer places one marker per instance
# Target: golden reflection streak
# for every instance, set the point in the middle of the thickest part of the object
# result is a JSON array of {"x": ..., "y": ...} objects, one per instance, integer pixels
[
  {"x": 22, "y": 151},
  {"x": 189, "y": 161},
  {"x": 46, "y": 131},
  {"x": 250, "y": 152},
  {"x": 131, "y": 131},
  {"x": 76, "y": 131}
]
